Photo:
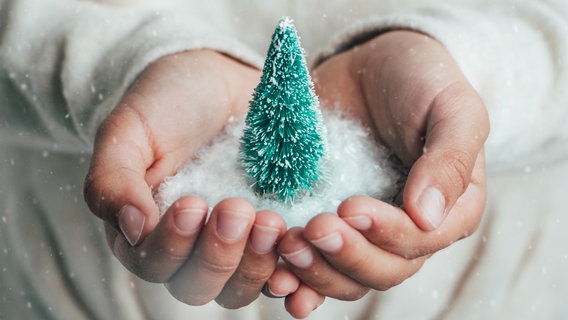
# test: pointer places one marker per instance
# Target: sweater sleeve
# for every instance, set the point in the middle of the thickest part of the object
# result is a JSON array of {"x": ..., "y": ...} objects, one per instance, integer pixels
[
  {"x": 515, "y": 53},
  {"x": 64, "y": 64}
]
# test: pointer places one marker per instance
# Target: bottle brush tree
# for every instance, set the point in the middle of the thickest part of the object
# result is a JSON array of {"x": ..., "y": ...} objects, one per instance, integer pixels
[{"x": 283, "y": 142}]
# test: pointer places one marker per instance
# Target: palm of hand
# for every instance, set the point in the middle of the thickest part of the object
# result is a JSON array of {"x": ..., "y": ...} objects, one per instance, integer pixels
[
  {"x": 170, "y": 111},
  {"x": 410, "y": 92},
  {"x": 183, "y": 103}
]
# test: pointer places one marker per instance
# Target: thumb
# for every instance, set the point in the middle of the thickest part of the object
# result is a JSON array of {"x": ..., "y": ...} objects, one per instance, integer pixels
[
  {"x": 457, "y": 128},
  {"x": 115, "y": 187}
]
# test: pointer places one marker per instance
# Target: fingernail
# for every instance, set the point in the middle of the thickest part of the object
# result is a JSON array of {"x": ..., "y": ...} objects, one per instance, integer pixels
[
  {"x": 131, "y": 222},
  {"x": 263, "y": 238},
  {"x": 271, "y": 294},
  {"x": 188, "y": 221},
  {"x": 332, "y": 243},
  {"x": 302, "y": 258},
  {"x": 231, "y": 225},
  {"x": 432, "y": 205},
  {"x": 361, "y": 223}
]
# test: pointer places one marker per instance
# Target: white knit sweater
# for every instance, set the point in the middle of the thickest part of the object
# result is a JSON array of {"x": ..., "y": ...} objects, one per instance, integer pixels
[{"x": 64, "y": 64}]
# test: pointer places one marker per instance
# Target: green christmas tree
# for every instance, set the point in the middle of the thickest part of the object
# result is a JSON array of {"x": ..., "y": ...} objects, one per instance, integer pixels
[{"x": 283, "y": 141}]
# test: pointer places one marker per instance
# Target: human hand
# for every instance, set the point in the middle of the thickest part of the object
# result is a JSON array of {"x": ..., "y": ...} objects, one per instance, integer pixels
[
  {"x": 178, "y": 104},
  {"x": 409, "y": 91}
]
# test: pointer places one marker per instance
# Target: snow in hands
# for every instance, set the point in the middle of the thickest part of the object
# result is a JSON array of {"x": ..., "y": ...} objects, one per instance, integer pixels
[{"x": 283, "y": 142}]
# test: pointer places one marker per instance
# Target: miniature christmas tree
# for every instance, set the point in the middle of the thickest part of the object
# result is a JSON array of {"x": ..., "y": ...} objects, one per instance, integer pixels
[{"x": 283, "y": 141}]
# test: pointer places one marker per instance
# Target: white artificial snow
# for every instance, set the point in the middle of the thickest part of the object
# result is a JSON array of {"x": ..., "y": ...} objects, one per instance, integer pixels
[
  {"x": 285, "y": 23},
  {"x": 354, "y": 164}
]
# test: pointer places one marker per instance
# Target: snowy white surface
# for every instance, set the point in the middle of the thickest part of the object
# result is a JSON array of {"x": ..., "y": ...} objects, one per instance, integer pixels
[{"x": 355, "y": 164}]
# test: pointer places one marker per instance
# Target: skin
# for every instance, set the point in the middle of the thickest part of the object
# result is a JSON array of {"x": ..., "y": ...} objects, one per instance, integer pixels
[
  {"x": 139, "y": 144},
  {"x": 409, "y": 91},
  {"x": 403, "y": 85}
]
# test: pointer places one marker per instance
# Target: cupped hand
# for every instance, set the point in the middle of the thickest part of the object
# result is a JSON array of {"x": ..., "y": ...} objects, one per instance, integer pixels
[
  {"x": 179, "y": 103},
  {"x": 409, "y": 91}
]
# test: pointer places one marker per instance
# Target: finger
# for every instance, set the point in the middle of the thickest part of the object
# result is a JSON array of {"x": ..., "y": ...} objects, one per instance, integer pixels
[
  {"x": 217, "y": 253},
  {"x": 167, "y": 248},
  {"x": 303, "y": 302},
  {"x": 392, "y": 229},
  {"x": 457, "y": 128},
  {"x": 281, "y": 283},
  {"x": 258, "y": 262},
  {"x": 115, "y": 187},
  {"x": 314, "y": 270},
  {"x": 350, "y": 252}
]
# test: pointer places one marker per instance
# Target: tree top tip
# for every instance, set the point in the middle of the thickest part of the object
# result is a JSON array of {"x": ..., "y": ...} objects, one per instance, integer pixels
[{"x": 285, "y": 23}]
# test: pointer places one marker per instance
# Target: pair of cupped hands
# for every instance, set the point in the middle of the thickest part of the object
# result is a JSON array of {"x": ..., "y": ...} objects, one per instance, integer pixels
[{"x": 402, "y": 85}]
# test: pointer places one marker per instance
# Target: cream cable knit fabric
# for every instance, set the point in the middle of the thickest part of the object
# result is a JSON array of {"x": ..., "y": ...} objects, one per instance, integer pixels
[{"x": 65, "y": 63}]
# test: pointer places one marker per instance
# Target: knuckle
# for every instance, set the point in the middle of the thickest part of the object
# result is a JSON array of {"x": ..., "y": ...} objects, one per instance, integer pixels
[
  {"x": 253, "y": 277},
  {"x": 413, "y": 253},
  {"x": 92, "y": 194},
  {"x": 136, "y": 262},
  {"x": 397, "y": 274},
  {"x": 353, "y": 294},
  {"x": 232, "y": 303},
  {"x": 473, "y": 226},
  {"x": 217, "y": 266},
  {"x": 391, "y": 281},
  {"x": 428, "y": 248},
  {"x": 96, "y": 193},
  {"x": 156, "y": 268},
  {"x": 322, "y": 282},
  {"x": 397, "y": 241},
  {"x": 388, "y": 284},
  {"x": 237, "y": 298},
  {"x": 147, "y": 266},
  {"x": 360, "y": 262},
  {"x": 173, "y": 256},
  {"x": 150, "y": 274},
  {"x": 103, "y": 189},
  {"x": 190, "y": 297},
  {"x": 458, "y": 165}
]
